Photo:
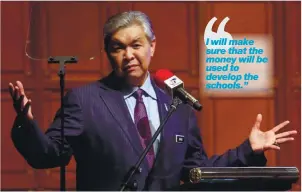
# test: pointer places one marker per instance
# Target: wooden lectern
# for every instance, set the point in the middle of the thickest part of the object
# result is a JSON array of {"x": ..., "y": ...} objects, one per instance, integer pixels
[{"x": 241, "y": 179}]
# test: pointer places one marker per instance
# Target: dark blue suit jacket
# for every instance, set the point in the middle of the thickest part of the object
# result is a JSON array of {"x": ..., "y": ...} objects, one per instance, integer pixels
[{"x": 104, "y": 141}]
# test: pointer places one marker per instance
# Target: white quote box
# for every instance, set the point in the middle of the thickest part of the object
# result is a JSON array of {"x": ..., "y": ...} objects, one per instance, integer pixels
[{"x": 262, "y": 87}]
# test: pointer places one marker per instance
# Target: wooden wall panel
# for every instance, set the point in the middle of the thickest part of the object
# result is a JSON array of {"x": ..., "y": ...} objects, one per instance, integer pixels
[
  {"x": 15, "y": 172},
  {"x": 18, "y": 180},
  {"x": 16, "y": 28},
  {"x": 289, "y": 95},
  {"x": 291, "y": 76},
  {"x": 231, "y": 127},
  {"x": 76, "y": 30},
  {"x": 13, "y": 166},
  {"x": 247, "y": 17},
  {"x": 15, "y": 17},
  {"x": 65, "y": 23}
]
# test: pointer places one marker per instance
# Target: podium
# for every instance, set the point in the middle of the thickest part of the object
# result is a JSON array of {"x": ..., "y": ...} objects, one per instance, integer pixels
[{"x": 241, "y": 179}]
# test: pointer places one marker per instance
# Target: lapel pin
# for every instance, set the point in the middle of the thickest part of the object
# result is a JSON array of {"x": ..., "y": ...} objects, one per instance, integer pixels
[
  {"x": 166, "y": 107},
  {"x": 179, "y": 138}
]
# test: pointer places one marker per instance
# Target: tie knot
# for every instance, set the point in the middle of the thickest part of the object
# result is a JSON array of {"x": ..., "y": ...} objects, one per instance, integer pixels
[{"x": 139, "y": 94}]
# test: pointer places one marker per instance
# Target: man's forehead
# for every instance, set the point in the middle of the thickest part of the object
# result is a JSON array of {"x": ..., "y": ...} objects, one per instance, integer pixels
[{"x": 129, "y": 34}]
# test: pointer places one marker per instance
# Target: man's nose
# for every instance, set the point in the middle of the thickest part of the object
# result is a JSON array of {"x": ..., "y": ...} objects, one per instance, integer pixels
[{"x": 129, "y": 54}]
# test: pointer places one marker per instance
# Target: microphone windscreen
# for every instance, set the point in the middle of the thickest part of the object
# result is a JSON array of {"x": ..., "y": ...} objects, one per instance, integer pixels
[{"x": 160, "y": 76}]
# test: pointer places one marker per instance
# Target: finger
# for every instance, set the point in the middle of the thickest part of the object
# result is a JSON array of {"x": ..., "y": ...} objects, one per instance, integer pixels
[
  {"x": 258, "y": 121},
  {"x": 19, "y": 91},
  {"x": 16, "y": 93},
  {"x": 285, "y": 134},
  {"x": 281, "y": 125},
  {"x": 21, "y": 88},
  {"x": 26, "y": 107},
  {"x": 283, "y": 140},
  {"x": 274, "y": 147},
  {"x": 11, "y": 89}
]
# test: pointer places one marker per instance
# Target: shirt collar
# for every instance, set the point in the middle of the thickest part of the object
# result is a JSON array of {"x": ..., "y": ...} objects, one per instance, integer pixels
[{"x": 147, "y": 87}]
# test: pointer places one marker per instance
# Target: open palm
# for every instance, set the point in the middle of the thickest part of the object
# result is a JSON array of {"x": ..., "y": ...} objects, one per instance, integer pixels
[{"x": 262, "y": 141}]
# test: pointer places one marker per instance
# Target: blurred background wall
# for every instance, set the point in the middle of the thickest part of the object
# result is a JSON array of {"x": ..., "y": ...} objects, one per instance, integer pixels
[{"x": 75, "y": 28}]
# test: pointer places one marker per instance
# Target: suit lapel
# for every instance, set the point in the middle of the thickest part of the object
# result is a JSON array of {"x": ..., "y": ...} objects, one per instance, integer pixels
[{"x": 114, "y": 100}]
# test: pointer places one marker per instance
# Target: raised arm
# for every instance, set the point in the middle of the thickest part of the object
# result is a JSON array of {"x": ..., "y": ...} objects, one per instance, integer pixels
[{"x": 41, "y": 150}]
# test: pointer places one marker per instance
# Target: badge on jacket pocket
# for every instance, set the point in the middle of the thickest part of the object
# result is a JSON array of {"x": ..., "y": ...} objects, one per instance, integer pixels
[{"x": 179, "y": 138}]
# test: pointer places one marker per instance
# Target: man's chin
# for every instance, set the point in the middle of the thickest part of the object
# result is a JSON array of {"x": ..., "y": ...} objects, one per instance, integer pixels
[
  {"x": 134, "y": 73},
  {"x": 135, "y": 77}
]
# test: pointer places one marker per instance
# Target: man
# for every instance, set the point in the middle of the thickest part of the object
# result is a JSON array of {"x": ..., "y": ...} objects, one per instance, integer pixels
[{"x": 109, "y": 122}]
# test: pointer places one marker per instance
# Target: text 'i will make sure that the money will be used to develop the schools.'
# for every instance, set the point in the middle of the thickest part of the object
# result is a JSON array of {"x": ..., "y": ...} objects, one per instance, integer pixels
[{"x": 228, "y": 55}]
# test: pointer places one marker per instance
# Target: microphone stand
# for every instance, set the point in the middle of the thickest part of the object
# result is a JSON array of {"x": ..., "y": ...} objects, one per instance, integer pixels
[
  {"x": 62, "y": 60},
  {"x": 130, "y": 185}
]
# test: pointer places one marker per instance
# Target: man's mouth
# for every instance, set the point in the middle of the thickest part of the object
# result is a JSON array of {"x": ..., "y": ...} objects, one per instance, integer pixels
[{"x": 130, "y": 67}]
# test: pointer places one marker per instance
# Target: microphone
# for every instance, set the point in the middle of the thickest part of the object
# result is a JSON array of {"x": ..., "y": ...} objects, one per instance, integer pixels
[{"x": 165, "y": 79}]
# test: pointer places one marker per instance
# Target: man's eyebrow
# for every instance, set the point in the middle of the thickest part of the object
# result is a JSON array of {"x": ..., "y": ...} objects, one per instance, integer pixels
[
  {"x": 117, "y": 41},
  {"x": 137, "y": 39}
]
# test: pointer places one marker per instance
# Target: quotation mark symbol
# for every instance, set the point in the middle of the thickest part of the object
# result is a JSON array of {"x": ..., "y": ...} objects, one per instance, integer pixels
[{"x": 219, "y": 40}]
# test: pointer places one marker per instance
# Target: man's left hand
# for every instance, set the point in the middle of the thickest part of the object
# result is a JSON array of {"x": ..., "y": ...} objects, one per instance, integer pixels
[{"x": 261, "y": 141}]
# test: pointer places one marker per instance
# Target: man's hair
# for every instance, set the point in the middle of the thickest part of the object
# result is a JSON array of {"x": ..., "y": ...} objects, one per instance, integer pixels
[{"x": 127, "y": 19}]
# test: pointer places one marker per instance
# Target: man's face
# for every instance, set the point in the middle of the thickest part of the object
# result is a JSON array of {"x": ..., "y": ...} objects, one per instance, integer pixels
[{"x": 130, "y": 53}]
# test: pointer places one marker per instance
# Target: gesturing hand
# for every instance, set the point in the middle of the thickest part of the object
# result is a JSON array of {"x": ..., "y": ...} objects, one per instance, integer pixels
[
  {"x": 21, "y": 102},
  {"x": 262, "y": 141}
]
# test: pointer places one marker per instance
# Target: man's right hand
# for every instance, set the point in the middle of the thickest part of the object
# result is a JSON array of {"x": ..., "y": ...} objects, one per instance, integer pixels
[{"x": 20, "y": 105}]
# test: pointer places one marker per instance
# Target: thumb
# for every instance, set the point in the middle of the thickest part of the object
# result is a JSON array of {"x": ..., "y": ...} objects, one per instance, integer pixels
[
  {"x": 257, "y": 122},
  {"x": 27, "y": 109}
]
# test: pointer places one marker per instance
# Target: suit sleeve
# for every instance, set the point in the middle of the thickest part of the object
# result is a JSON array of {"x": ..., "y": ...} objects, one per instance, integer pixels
[
  {"x": 241, "y": 156},
  {"x": 42, "y": 150}
]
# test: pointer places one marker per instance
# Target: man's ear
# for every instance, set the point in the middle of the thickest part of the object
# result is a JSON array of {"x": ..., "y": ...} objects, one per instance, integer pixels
[{"x": 153, "y": 44}]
